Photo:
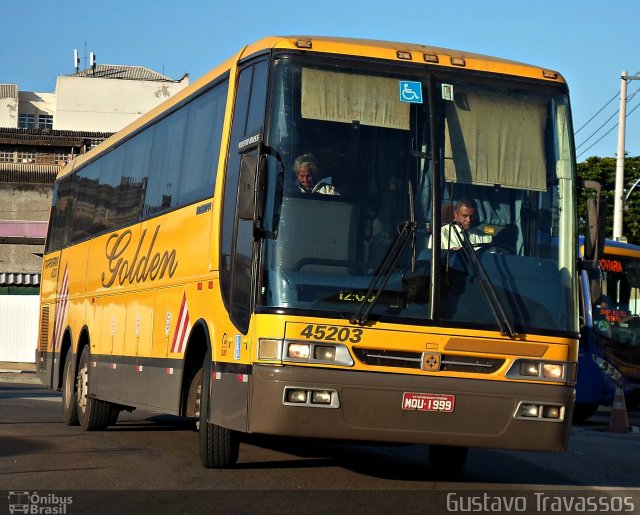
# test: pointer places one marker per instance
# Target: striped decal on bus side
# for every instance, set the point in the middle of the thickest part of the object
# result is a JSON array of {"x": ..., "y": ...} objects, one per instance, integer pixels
[
  {"x": 182, "y": 327},
  {"x": 61, "y": 310}
]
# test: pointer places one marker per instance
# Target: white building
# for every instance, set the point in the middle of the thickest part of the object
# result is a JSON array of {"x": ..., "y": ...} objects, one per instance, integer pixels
[{"x": 100, "y": 99}]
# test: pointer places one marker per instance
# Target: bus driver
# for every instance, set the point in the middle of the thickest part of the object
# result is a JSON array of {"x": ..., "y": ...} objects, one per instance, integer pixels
[
  {"x": 451, "y": 233},
  {"x": 306, "y": 169}
]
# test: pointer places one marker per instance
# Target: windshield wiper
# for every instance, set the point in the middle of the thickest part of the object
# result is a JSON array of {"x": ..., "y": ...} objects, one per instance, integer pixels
[
  {"x": 406, "y": 233},
  {"x": 506, "y": 329}
]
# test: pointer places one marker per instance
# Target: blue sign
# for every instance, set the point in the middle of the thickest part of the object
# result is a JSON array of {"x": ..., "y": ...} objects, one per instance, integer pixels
[
  {"x": 236, "y": 354},
  {"x": 411, "y": 91}
]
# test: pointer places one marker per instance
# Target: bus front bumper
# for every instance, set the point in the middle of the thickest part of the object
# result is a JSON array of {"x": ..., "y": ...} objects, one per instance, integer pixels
[{"x": 368, "y": 406}]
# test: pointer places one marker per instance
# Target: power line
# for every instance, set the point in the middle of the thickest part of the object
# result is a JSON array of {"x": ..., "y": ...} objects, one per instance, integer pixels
[
  {"x": 606, "y": 133},
  {"x": 598, "y": 129},
  {"x": 629, "y": 98},
  {"x": 601, "y": 109}
]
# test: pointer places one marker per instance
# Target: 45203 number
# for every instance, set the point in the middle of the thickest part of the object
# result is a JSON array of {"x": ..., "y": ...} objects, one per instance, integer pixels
[{"x": 332, "y": 333}]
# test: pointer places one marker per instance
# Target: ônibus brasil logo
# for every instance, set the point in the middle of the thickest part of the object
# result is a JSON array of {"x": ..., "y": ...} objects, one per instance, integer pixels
[{"x": 35, "y": 503}]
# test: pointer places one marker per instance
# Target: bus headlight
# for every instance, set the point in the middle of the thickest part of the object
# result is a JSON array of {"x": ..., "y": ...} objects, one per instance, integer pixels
[
  {"x": 539, "y": 411},
  {"x": 552, "y": 412},
  {"x": 324, "y": 353},
  {"x": 337, "y": 354},
  {"x": 305, "y": 397},
  {"x": 273, "y": 349},
  {"x": 560, "y": 372},
  {"x": 553, "y": 371},
  {"x": 529, "y": 369},
  {"x": 321, "y": 397},
  {"x": 528, "y": 411},
  {"x": 298, "y": 350},
  {"x": 296, "y": 396}
]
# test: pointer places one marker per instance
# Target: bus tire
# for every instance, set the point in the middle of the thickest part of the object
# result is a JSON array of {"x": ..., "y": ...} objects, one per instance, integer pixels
[
  {"x": 447, "y": 461},
  {"x": 219, "y": 446},
  {"x": 69, "y": 400},
  {"x": 194, "y": 397},
  {"x": 113, "y": 415},
  {"x": 93, "y": 414}
]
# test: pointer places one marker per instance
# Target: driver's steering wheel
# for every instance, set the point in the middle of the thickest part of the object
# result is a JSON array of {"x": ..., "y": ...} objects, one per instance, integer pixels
[{"x": 495, "y": 248}]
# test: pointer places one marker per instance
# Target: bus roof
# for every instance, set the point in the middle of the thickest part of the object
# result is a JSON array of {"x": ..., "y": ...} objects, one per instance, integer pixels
[
  {"x": 401, "y": 52},
  {"x": 617, "y": 248},
  {"x": 390, "y": 50},
  {"x": 621, "y": 248}
]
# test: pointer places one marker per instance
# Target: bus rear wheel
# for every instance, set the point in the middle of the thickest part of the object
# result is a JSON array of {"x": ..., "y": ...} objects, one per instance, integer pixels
[
  {"x": 93, "y": 414},
  {"x": 219, "y": 446},
  {"x": 69, "y": 401}
]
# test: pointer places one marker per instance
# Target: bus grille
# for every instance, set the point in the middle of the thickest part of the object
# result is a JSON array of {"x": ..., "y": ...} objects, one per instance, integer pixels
[{"x": 448, "y": 363}]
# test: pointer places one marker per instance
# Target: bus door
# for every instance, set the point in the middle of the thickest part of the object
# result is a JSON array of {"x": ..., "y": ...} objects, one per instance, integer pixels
[{"x": 231, "y": 351}]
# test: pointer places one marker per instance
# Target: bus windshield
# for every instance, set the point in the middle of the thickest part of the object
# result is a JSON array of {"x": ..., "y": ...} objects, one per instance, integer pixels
[
  {"x": 371, "y": 169},
  {"x": 616, "y": 312}
]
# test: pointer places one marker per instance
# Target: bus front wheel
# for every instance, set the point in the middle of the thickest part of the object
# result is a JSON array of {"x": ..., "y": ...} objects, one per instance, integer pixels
[{"x": 219, "y": 446}]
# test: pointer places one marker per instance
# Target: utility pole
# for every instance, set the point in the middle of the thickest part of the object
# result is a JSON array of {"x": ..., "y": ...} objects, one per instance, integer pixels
[{"x": 618, "y": 200}]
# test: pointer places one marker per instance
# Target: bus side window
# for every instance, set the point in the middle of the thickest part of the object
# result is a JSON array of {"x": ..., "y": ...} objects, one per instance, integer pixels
[
  {"x": 62, "y": 214},
  {"x": 164, "y": 169},
  {"x": 84, "y": 211},
  {"x": 202, "y": 145}
]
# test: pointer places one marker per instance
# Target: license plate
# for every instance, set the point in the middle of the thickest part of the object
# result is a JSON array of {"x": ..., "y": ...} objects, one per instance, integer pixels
[{"x": 442, "y": 403}]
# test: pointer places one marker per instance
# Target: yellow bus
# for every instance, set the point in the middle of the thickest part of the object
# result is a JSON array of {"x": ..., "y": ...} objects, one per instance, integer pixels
[{"x": 326, "y": 238}]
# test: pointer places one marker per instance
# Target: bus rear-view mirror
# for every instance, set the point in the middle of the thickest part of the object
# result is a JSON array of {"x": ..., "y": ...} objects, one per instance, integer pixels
[
  {"x": 596, "y": 216},
  {"x": 251, "y": 185}
]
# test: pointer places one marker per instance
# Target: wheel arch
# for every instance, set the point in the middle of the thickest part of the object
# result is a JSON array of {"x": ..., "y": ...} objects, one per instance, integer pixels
[
  {"x": 67, "y": 348},
  {"x": 198, "y": 348},
  {"x": 83, "y": 341}
]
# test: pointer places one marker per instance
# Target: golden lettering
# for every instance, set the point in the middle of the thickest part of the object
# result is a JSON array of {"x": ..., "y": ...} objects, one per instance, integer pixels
[{"x": 151, "y": 265}]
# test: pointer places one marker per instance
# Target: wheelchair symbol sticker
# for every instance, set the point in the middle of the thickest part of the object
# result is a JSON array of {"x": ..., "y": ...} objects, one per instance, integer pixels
[{"x": 411, "y": 92}]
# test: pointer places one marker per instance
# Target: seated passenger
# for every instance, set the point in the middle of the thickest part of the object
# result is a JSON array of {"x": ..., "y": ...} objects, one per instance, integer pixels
[
  {"x": 306, "y": 169},
  {"x": 451, "y": 232}
]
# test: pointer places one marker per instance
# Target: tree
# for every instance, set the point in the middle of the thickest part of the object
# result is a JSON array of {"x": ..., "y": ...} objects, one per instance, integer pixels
[{"x": 603, "y": 170}]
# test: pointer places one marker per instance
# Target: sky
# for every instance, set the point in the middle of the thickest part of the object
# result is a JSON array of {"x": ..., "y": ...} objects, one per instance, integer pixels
[{"x": 590, "y": 42}]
